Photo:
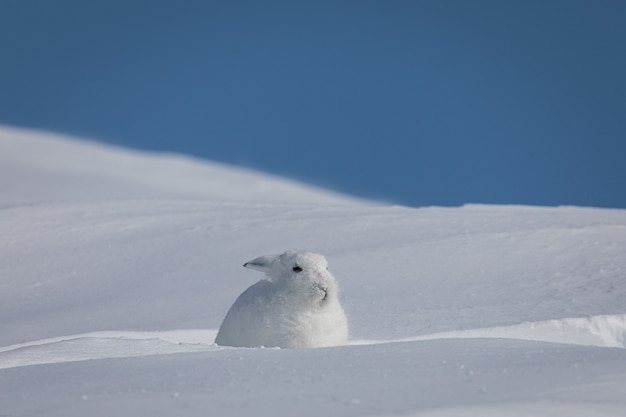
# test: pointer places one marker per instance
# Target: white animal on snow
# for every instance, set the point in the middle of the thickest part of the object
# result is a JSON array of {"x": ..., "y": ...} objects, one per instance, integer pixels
[{"x": 296, "y": 306}]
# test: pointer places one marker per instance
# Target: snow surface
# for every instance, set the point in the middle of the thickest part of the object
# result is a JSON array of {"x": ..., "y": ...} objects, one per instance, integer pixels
[{"x": 117, "y": 267}]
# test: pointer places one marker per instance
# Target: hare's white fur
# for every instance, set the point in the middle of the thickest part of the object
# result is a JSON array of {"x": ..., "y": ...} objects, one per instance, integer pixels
[{"x": 296, "y": 306}]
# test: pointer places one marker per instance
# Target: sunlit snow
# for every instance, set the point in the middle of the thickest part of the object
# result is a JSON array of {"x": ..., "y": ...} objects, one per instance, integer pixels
[{"x": 117, "y": 268}]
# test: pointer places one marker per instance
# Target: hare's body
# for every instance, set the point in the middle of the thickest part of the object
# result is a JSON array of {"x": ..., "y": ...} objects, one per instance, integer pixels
[{"x": 295, "y": 307}]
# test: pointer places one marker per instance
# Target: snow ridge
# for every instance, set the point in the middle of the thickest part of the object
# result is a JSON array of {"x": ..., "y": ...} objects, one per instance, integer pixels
[{"x": 602, "y": 331}]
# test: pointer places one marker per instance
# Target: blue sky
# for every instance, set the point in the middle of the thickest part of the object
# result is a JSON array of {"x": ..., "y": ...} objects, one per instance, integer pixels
[{"x": 414, "y": 102}]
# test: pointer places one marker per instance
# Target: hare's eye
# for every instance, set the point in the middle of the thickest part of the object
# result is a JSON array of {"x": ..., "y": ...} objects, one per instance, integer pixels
[{"x": 297, "y": 269}]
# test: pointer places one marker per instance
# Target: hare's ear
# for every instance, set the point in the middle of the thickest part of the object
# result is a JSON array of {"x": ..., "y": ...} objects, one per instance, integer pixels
[{"x": 262, "y": 263}]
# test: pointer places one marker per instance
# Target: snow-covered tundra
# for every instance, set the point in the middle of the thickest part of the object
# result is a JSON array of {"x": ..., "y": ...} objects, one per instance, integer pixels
[{"x": 117, "y": 268}]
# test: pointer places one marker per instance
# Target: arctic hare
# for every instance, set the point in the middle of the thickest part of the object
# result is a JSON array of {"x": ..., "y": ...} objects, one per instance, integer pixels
[{"x": 296, "y": 306}]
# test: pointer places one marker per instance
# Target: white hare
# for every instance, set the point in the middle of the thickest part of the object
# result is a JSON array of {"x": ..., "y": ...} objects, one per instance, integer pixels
[{"x": 296, "y": 306}]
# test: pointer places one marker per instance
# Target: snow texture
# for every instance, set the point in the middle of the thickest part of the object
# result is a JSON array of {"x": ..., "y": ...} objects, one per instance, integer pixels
[
  {"x": 297, "y": 306},
  {"x": 117, "y": 268}
]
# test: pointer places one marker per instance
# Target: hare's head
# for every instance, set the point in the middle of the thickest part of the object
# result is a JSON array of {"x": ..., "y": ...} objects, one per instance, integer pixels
[{"x": 293, "y": 265}]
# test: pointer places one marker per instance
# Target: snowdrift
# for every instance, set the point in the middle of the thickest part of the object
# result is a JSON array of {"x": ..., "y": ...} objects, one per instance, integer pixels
[{"x": 117, "y": 267}]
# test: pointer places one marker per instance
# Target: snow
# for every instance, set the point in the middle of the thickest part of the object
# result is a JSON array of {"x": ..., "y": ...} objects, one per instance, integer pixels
[
  {"x": 36, "y": 167},
  {"x": 117, "y": 267}
]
